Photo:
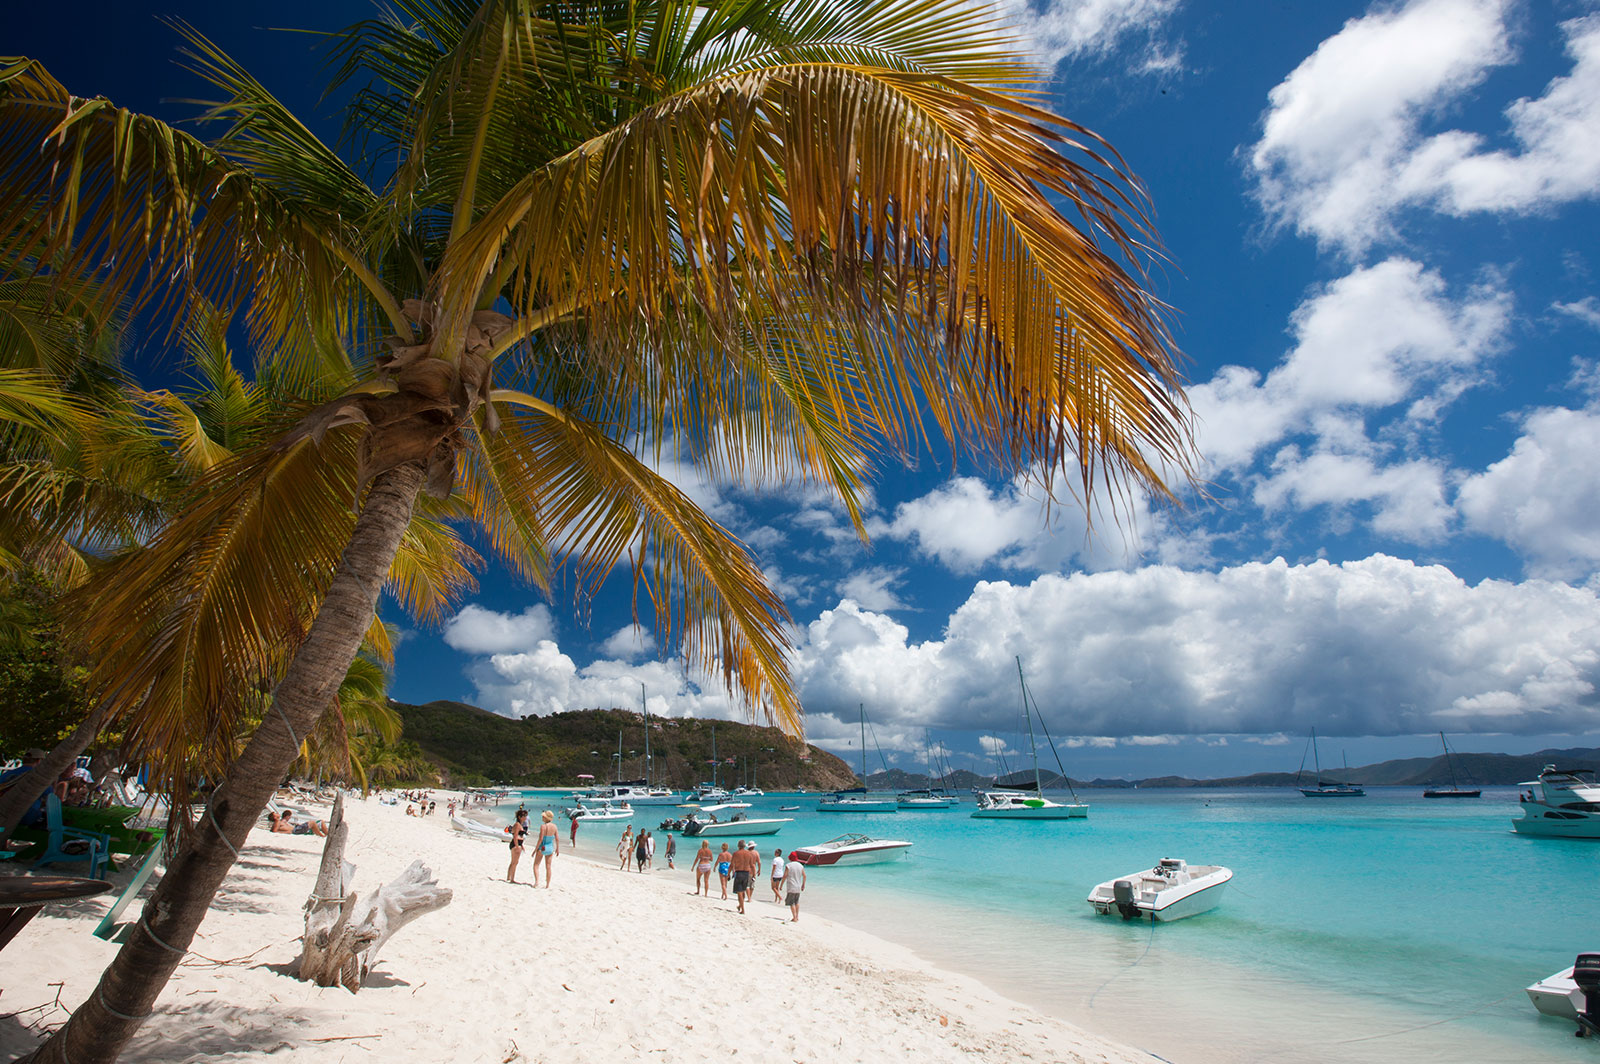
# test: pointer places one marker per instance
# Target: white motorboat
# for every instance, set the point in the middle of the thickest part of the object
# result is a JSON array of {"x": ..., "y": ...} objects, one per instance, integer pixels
[
  {"x": 1026, "y": 805},
  {"x": 1172, "y": 890},
  {"x": 601, "y": 810},
  {"x": 1561, "y": 803},
  {"x": 735, "y": 828},
  {"x": 730, "y": 808},
  {"x": 852, "y": 849},
  {"x": 925, "y": 800},
  {"x": 749, "y": 792}
]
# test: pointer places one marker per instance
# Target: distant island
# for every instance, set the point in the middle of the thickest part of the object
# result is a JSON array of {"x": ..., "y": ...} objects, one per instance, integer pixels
[
  {"x": 472, "y": 747},
  {"x": 1486, "y": 770}
]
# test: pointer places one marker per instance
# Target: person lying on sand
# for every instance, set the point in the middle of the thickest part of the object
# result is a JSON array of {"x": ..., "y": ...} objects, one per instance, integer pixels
[{"x": 283, "y": 825}]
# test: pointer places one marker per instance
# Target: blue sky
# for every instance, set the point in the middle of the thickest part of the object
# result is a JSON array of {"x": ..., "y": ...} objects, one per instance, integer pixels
[{"x": 1382, "y": 227}]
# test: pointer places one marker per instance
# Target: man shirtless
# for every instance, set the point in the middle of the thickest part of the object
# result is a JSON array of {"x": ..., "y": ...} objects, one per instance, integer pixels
[{"x": 746, "y": 863}]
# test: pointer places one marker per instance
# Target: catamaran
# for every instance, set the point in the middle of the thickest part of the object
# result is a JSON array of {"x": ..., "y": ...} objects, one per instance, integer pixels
[
  {"x": 856, "y": 799},
  {"x": 1029, "y": 805}
]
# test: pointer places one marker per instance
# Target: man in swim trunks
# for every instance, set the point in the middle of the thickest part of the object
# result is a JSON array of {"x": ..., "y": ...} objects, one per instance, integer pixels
[{"x": 746, "y": 863}]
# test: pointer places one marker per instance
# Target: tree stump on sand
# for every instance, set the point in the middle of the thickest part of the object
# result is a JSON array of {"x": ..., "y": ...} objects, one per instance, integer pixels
[{"x": 343, "y": 938}]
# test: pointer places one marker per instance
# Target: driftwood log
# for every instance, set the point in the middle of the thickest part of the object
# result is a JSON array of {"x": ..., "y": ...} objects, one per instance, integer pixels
[{"x": 343, "y": 935}]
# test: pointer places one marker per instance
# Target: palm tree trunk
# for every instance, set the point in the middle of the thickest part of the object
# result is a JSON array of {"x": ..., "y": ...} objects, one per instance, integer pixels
[
  {"x": 15, "y": 800},
  {"x": 102, "y": 1026}
]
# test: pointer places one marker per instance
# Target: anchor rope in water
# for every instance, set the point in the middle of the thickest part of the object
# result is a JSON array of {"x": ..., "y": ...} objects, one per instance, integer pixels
[{"x": 1116, "y": 975}]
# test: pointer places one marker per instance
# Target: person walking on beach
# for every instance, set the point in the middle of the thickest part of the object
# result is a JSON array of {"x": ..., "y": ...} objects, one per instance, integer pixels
[
  {"x": 519, "y": 832},
  {"x": 702, "y": 868},
  {"x": 549, "y": 846},
  {"x": 746, "y": 863},
  {"x": 625, "y": 847},
  {"x": 672, "y": 849},
  {"x": 650, "y": 850},
  {"x": 573, "y": 839},
  {"x": 641, "y": 850},
  {"x": 794, "y": 881},
  {"x": 777, "y": 876},
  {"x": 724, "y": 869}
]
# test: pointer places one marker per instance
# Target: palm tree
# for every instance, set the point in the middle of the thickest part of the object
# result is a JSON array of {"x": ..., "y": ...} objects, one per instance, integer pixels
[{"x": 789, "y": 238}]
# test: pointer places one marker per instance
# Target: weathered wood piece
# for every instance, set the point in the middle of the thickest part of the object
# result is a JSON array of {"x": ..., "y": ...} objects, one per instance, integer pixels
[{"x": 343, "y": 937}]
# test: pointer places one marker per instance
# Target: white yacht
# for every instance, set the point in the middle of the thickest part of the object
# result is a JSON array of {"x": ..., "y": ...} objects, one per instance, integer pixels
[
  {"x": 1170, "y": 891},
  {"x": 1561, "y": 803},
  {"x": 1026, "y": 805},
  {"x": 925, "y": 800},
  {"x": 599, "y": 809},
  {"x": 634, "y": 792},
  {"x": 740, "y": 827}
]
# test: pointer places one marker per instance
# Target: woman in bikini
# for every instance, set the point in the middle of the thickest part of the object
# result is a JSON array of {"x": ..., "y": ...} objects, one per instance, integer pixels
[
  {"x": 519, "y": 832},
  {"x": 702, "y": 869},
  {"x": 724, "y": 869},
  {"x": 549, "y": 846}
]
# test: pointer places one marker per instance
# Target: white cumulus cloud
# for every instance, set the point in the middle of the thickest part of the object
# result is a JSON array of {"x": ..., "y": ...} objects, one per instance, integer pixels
[{"x": 475, "y": 630}]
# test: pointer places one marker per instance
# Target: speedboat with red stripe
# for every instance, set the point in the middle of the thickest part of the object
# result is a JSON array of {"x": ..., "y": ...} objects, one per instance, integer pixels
[{"x": 851, "y": 849}]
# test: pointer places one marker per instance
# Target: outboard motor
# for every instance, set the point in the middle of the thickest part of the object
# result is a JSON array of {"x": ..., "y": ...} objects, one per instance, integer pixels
[
  {"x": 1586, "y": 973},
  {"x": 1122, "y": 892}
]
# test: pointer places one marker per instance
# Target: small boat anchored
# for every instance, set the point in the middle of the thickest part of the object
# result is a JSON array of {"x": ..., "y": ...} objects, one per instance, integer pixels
[
  {"x": 857, "y": 799},
  {"x": 851, "y": 849},
  {"x": 1172, "y": 890},
  {"x": 1326, "y": 788},
  {"x": 1026, "y": 805},
  {"x": 1572, "y": 994},
  {"x": 1455, "y": 790}
]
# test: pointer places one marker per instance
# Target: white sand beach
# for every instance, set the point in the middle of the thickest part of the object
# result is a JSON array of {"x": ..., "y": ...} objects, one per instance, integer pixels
[{"x": 607, "y": 966}]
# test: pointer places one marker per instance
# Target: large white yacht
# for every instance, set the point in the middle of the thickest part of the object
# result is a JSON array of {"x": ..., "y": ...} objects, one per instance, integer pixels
[
  {"x": 1561, "y": 803},
  {"x": 1026, "y": 805}
]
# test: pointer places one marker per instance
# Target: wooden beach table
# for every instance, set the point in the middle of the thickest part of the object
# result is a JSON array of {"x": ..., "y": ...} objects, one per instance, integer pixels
[{"x": 21, "y": 897}]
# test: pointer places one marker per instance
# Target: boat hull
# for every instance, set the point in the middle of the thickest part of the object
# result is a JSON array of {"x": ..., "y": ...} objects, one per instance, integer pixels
[
  {"x": 1333, "y": 792},
  {"x": 1557, "y": 995},
  {"x": 1549, "y": 823},
  {"x": 1448, "y": 793},
  {"x": 740, "y": 828},
  {"x": 871, "y": 851},
  {"x": 1049, "y": 812},
  {"x": 857, "y": 807}
]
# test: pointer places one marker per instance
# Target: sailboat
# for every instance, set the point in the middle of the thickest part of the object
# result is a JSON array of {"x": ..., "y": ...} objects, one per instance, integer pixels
[
  {"x": 856, "y": 799},
  {"x": 1455, "y": 790},
  {"x": 1326, "y": 788},
  {"x": 926, "y": 799},
  {"x": 711, "y": 792},
  {"x": 1025, "y": 805}
]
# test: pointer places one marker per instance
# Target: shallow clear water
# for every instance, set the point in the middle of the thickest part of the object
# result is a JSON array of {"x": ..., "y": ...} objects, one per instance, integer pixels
[{"x": 1388, "y": 927}]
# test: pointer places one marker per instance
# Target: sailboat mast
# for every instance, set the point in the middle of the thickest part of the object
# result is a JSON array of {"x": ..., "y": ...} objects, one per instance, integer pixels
[
  {"x": 645, "y": 703},
  {"x": 862, "y": 706},
  {"x": 1454, "y": 786},
  {"x": 1315, "y": 755},
  {"x": 1033, "y": 751},
  {"x": 713, "y": 756}
]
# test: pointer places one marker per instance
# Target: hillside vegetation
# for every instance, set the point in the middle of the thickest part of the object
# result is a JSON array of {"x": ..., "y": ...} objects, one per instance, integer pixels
[{"x": 474, "y": 747}]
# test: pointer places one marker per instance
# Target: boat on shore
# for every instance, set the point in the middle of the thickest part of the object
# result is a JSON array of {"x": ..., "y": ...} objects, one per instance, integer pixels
[
  {"x": 1562, "y": 803},
  {"x": 1326, "y": 788},
  {"x": 1455, "y": 790},
  {"x": 852, "y": 849},
  {"x": 479, "y": 831},
  {"x": 1172, "y": 890}
]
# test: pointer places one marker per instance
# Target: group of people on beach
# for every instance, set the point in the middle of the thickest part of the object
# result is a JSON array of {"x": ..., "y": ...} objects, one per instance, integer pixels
[
  {"x": 546, "y": 845},
  {"x": 741, "y": 867}
]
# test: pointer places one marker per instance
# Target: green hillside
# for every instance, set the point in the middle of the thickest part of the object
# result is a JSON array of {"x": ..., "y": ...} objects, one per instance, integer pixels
[{"x": 474, "y": 747}]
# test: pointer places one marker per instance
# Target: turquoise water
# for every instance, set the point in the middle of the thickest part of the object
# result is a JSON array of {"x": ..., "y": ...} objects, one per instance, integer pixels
[{"x": 1381, "y": 928}]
